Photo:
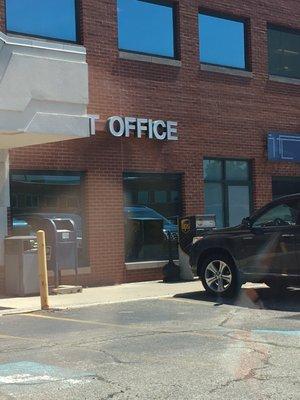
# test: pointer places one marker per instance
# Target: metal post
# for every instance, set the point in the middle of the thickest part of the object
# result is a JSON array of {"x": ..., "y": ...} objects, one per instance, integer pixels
[
  {"x": 170, "y": 247},
  {"x": 43, "y": 273},
  {"x": 76, "y": 264}
]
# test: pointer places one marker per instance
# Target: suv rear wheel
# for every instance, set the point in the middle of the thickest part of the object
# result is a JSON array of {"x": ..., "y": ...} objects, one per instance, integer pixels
[{"x": 219, "y": 275}]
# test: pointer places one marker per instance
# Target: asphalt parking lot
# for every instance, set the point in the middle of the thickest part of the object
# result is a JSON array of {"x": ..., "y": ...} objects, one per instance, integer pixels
[{"x": 186, "y": 347}]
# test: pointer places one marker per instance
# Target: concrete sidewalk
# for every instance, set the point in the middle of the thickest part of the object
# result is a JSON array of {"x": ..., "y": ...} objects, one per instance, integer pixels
[{"x": 100, "y": 295}]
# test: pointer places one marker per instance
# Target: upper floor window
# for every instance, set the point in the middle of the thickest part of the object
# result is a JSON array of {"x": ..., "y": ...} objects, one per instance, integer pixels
[
  {"x": 53, "y": 19},
  {"x": 222, "y": 41},
  {"x": 284, "y": 52},
  {"x": 147, "y": 27}
]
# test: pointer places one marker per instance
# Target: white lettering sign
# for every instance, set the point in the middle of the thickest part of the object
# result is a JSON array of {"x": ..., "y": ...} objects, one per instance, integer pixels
[{"x": 127, "y": 126}]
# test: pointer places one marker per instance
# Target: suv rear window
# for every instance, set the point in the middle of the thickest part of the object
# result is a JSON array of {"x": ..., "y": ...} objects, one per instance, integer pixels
[{"x": 280, "y": 215}]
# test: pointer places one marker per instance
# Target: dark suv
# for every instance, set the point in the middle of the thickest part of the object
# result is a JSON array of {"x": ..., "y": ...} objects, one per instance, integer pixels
[{"x": 264, "y": 248}]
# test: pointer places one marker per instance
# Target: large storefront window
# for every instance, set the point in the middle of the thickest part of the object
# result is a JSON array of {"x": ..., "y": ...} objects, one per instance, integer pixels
[
  {"x": 227, "y": 190},
  {"x": 283, "y": 186},
  {"x": 48, "y": 194},
  {"x": 152, "y": 206}
]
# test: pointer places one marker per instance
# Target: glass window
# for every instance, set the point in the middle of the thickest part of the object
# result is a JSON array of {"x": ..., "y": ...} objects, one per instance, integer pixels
[
  {"x": 54, "y": 19},
  {"x": 280, "y": 215},
  {"x": 237, "y": 170},
  {"x": 174, "y": 196},
  {"x": 213, "y": 198},
  {"x": 238, "y": 204},
  {"x": 284, "y": 52},
  {"x": 143, "y": 197},
  {"x": 51, "y": 194},
  {"x": 145, "y": 222},
  {"x": 160, "y": 196},
  {"x": 227, "y": 189},
  {"x": 283, "y": 186},
  {"x": 222, "y": 41},
  {"x": 146, "y": 27},
  {"x": 212, "y": 170}
]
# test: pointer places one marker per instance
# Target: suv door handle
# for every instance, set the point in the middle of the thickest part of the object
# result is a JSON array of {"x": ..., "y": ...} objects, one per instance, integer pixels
[{"x": 288, "y": 235}]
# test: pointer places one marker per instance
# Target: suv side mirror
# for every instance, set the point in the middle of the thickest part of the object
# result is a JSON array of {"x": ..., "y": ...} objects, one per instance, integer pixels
[{"x": 246, "y": 223}]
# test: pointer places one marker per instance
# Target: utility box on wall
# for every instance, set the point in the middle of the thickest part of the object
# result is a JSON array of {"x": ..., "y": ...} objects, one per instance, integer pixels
[{"x": 21, "y": 266}]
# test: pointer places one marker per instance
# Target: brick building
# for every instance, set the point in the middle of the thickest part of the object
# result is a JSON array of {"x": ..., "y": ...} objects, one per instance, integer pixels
[{"x": 227, "y": 72}]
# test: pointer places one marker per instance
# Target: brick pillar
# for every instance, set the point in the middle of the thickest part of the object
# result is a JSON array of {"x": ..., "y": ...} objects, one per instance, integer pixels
[{"x": 2, "y": 15}]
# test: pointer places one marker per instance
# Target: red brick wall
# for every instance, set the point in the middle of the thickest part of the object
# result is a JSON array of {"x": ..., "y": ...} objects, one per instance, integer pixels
[
  {"x": 145, "y": 275},
  {"x": 2, "y": 16},
  {"x": 218, "y": 115}
]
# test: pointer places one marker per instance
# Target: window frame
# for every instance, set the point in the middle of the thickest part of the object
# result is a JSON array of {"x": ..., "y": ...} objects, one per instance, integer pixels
[
  {"x": 176, "y": 33},
  {"x": 225, "y": 183},
  {"x": 50, "y": 38},
  {"x": 230, "y": 17},
  {"x": 280, "y": 28}
]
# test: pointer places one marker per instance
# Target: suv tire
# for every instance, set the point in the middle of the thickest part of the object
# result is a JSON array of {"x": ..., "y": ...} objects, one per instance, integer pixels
[{"x": 220, "y": 276}]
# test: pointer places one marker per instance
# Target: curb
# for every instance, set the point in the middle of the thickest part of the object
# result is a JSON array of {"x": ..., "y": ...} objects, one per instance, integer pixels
[
  {"x": 75, "y": 306},
  {"x": 14, "y": 311}
]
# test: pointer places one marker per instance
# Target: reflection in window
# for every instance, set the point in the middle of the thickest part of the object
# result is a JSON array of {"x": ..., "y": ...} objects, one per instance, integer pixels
[
  {"x": 50, "y": 201},
  {"x": 283, "y": 186},
  {"x": 222, "y": 41},
  {"x": 146, "y": 27},
  {"x": 174, "y": 196},
  {"x": 54, "y": 19},
  {"x": 146, "y": 221},
  {"x": 213, "y": 199},
  {"x": 143, "y": 197},
  {"x": 284, "y": 52},
  {"x": 227, "y": 190},
  {"x": 238, "y": 204},
  {"x": 160, "y": 196},
  {"x": 54, "y": 194},
  {"x": 212, "y": 170},
  {"x": 237, "y": 170}
]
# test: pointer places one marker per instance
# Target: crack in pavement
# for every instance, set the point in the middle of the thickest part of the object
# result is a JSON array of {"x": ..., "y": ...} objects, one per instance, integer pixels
[
  {"x": 251, "y": 371},
  {"x": 115, "y": 358},
  {"x": 228, "y": 317},
  {"x": 112, "y": 395},
  {"x": 250, "y": 374},
  {"x": 231, "y": 335},
  {"x": 149, "y": 334}
]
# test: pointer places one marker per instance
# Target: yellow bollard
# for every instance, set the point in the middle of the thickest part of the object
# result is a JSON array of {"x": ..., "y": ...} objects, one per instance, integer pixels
[{"x": 43, "y": 274}]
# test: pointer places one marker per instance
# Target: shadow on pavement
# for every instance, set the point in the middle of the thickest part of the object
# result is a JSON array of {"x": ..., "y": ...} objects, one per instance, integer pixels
[
  {"x": 258, "y": 298},
  {"x": 5, "y": 308}
]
